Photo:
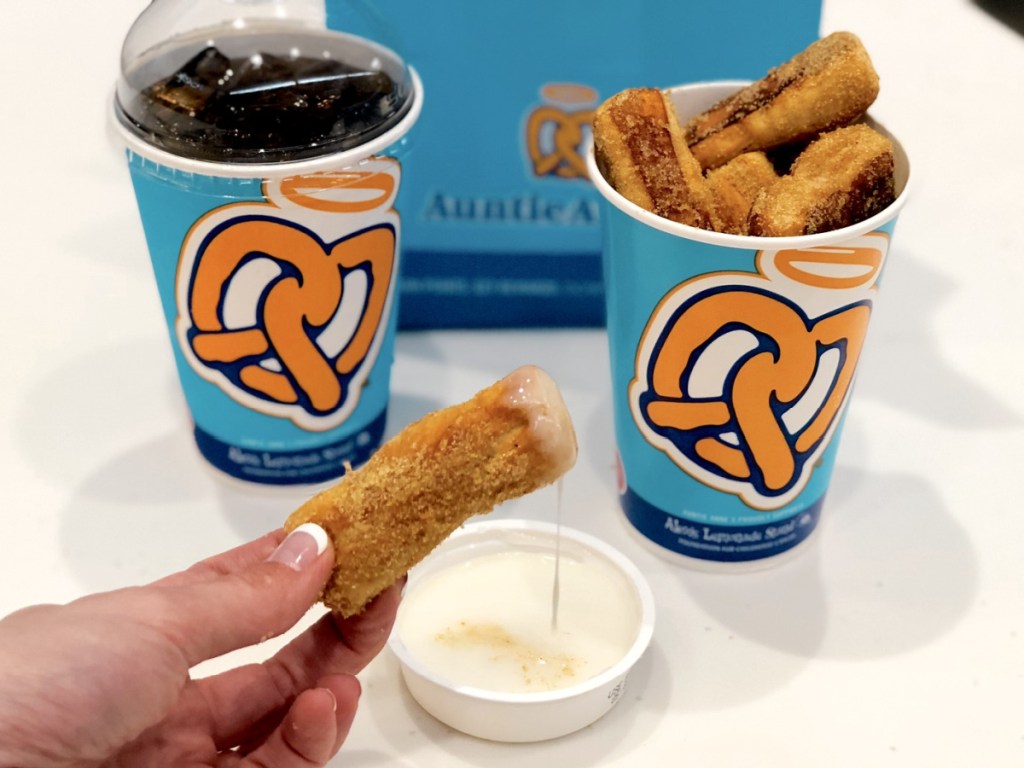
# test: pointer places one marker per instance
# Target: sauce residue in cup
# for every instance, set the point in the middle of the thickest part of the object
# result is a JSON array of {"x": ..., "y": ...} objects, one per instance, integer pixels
[{"x": 487, "y": 622}]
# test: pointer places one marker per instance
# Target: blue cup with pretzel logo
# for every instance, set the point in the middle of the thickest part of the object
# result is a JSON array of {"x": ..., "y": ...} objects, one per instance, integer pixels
[
  {"x": 276, "y": 270},
  {"x": 733, "y": 359}
]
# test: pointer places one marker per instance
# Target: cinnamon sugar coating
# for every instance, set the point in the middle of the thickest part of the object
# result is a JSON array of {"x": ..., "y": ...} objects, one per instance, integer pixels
[
  {"x": 830, "y": 83},
  {"x": 639, "y": 148},
  {"x": 508, "y": 440},
  {"x": 735, "y": 186},
  {"x": 842, "y": 178}
]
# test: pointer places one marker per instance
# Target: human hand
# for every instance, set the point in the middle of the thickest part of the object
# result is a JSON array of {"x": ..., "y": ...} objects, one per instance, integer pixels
[{"x": 104, "y": 680}]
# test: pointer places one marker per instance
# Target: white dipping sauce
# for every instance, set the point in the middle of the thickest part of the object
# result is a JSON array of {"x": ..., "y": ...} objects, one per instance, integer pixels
[{"x": 486, "y": 622}]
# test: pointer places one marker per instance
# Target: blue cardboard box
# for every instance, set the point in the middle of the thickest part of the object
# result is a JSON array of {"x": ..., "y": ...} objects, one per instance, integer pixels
[{"x": 500, "y": 223}]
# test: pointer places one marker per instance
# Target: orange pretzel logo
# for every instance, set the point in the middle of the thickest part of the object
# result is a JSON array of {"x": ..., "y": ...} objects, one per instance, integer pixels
[
  {"x": 283, "y": 307},
  {"x": 739, "y": 385},
  {"x": 555, "y": 136}
]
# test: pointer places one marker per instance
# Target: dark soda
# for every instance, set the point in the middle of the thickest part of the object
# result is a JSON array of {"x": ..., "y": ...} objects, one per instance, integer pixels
[{"x": 264, "y": 97}]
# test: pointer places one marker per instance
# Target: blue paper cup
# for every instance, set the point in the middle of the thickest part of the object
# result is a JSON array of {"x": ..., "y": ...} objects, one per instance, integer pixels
[
  {"x": 733, "y": 360},
  {"x": 278, "y": 287}
]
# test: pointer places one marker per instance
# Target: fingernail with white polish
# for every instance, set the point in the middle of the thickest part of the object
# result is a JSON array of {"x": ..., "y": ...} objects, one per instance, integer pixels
[
  {"x": 334, "y": 699},
  {"x": 302, "y": 546}
]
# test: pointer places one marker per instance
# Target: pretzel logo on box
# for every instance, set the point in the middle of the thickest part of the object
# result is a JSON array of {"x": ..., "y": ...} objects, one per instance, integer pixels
[
  {"x": 742, "y": 378},
  {"x": 280, "y": 303},
  {"x": 556, "y": 130}
]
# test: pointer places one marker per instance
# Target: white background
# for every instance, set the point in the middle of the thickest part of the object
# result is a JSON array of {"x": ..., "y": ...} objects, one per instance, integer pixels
[{"x": 898, "y": 639}]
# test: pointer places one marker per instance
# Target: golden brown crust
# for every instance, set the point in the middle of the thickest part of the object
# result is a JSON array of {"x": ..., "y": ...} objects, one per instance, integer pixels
[
  {"x": 843, "y": 177},
  {"x": 508, "y": 440},
  {"x": 829, "y": 84},
  {"x": 640, "y": 150},
  {"x": 735, "y": 185}
]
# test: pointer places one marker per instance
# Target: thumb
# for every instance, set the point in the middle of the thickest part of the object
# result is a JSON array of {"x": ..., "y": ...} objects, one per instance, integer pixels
[{"x": 250, "y": 605}]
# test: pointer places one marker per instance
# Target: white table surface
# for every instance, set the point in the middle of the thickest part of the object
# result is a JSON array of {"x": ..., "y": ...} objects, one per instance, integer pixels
[{"x": 897, "y": 639}]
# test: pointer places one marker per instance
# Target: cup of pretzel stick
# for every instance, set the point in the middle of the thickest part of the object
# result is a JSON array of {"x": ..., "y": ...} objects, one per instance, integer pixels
[{"x": 733, "y": 354}]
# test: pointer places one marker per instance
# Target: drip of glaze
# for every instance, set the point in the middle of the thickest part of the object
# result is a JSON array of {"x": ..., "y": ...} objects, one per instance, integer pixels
[{"x": 555, "y": 587}]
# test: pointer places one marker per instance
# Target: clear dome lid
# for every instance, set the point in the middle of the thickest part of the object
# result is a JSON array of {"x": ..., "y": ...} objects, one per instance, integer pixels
[{"x": 258, "y": 81}]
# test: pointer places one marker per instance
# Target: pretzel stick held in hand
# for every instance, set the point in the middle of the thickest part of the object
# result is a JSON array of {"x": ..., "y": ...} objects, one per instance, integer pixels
[{"x": 510, "y": 439}]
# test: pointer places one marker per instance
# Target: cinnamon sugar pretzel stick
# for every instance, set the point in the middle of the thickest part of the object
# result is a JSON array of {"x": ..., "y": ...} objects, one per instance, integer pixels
[
  {"x": 843, "y": 177},
  {"x": 829, "y": 84},
  {"x": 639, "y": 148},
  {"x": 735, "y": 186},
  {"x": 510, "y": 439}
]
